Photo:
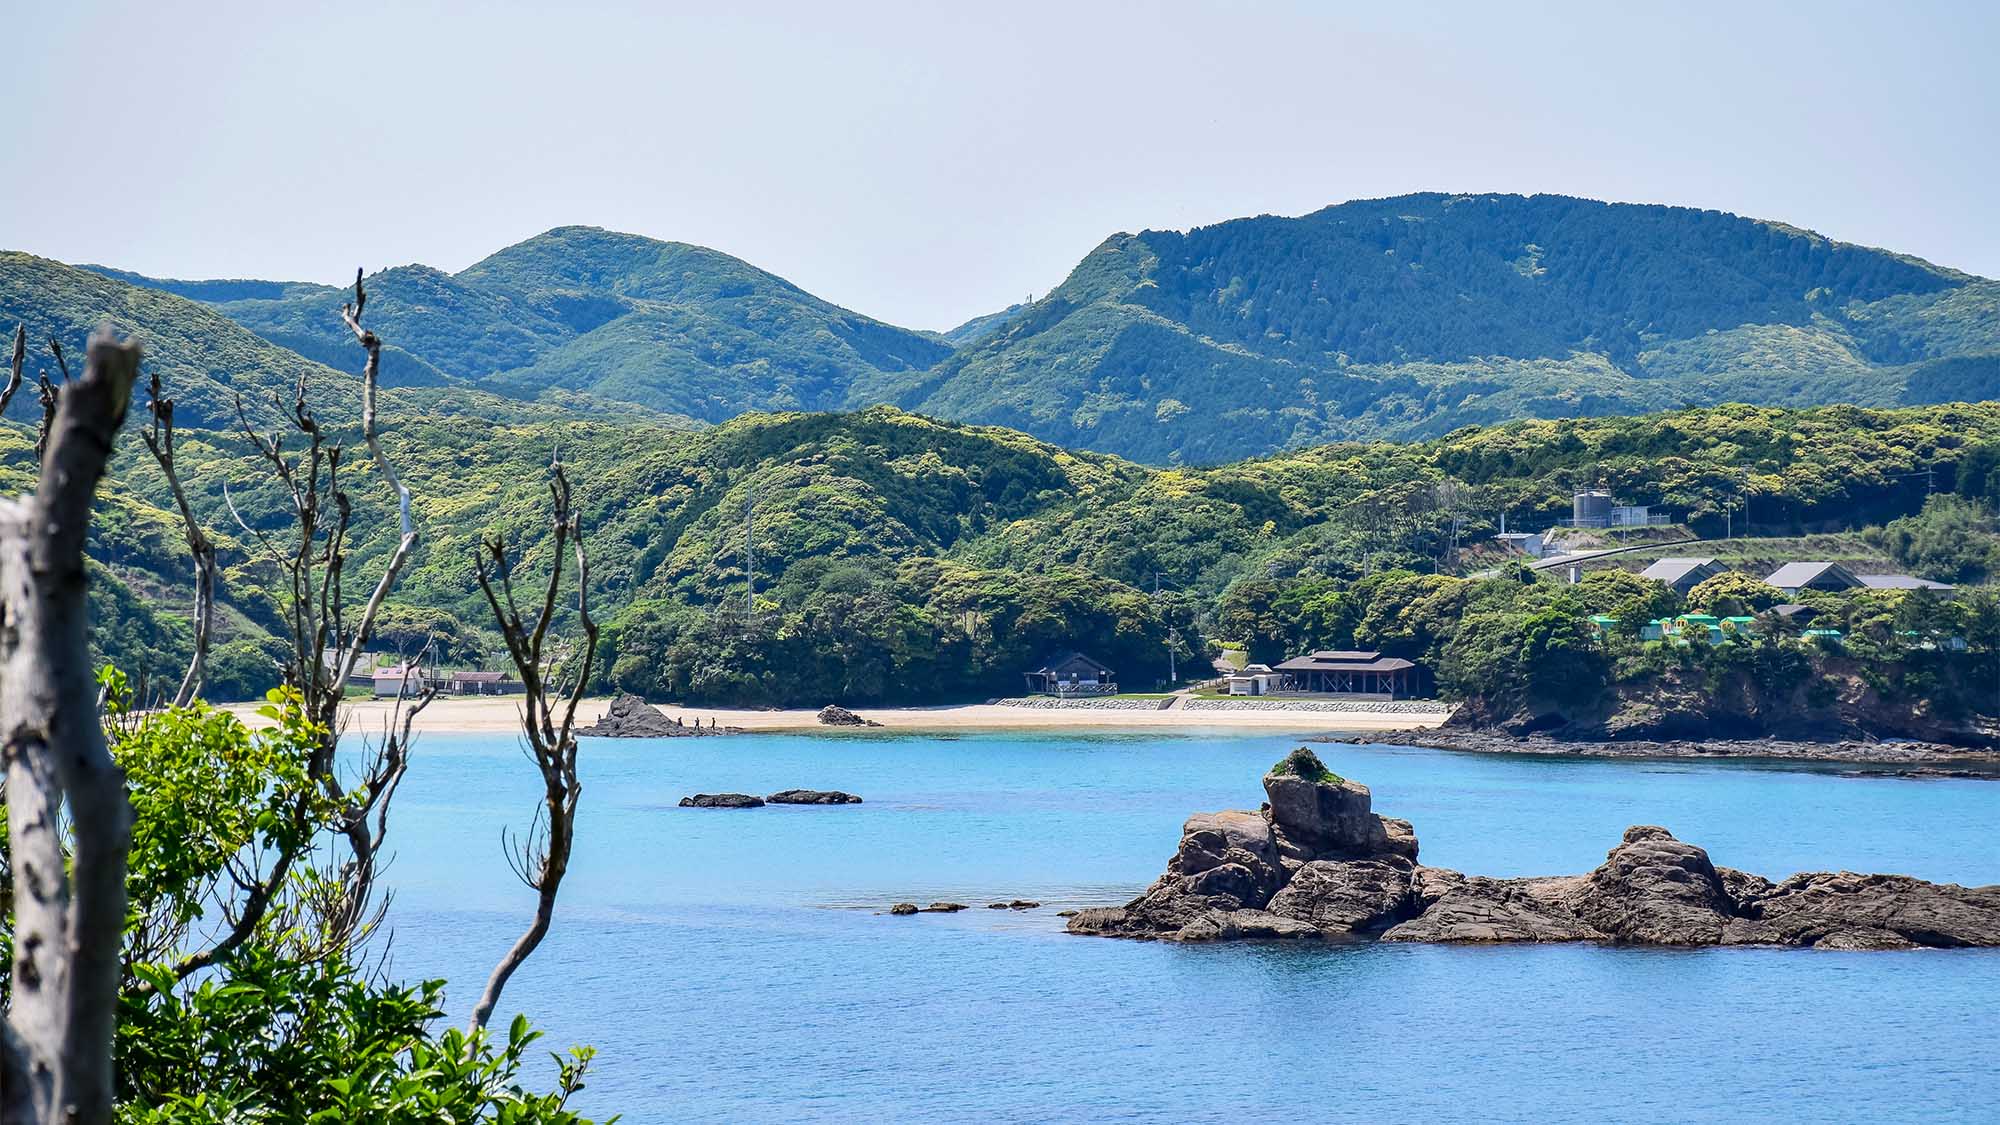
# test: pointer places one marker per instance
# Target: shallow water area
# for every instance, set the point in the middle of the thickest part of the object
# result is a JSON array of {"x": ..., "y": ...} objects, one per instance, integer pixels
[{"x": 736, "y": 964}]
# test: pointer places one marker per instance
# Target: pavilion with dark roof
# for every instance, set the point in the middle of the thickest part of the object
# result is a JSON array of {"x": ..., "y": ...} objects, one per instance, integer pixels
[{"x": 1351, "y": 672}]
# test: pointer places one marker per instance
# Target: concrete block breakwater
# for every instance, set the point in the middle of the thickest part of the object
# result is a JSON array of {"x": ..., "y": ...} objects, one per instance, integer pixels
[
  {"x": 1349, "y": 706},
  {"x": 1102, "y": 703}
]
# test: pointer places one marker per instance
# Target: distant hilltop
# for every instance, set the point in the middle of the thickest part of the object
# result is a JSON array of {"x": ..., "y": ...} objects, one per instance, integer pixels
[{"x": 1391, "y": 318}]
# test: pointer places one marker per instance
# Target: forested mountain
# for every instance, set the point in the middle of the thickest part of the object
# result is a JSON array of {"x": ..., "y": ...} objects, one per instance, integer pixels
[
  {"x": 675, "y": 328},
  {"x": 1399, "y": 318},
  {"x": 206, "y": 361},
  {"x": 1408, "y": 317}
]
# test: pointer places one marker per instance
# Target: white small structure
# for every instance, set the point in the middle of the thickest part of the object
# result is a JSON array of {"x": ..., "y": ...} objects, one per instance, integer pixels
[
  {"x": 406, "y": 680},
  {"x": 1529, "y": 543},
  {"x": 1253, "y": 679}
]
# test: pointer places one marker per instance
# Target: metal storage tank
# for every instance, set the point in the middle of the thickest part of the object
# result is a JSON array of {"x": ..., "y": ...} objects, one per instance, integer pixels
[{"x": 1592, "y": 508}]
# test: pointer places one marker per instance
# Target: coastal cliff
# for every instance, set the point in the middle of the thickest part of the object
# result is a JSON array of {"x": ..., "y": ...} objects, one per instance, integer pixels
[
  {"x": 1931, "y": 702},
  {"x": 1318, "y": 862}
]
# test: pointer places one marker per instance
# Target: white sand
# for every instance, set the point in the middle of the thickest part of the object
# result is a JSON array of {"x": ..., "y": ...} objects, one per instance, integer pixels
[{"x": 502, "y": 714}]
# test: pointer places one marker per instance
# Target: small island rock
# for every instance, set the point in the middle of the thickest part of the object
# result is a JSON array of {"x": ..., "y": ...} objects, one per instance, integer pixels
[
  {"x": 722, "y": 801},
  {"x": 812, "y": 797},
  {"x": 1319, "y": 863}
]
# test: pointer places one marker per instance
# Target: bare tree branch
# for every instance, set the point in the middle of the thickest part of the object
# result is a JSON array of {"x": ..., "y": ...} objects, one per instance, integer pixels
[
  {"x": 548, "y": 717},
  {"x": 14, "y": 368},
  {"x": 351, "y": 314},
  {"x": 160, "y": 439},
  {"x": 68, "y": 916},
  {"x": 326, "y": 646}
]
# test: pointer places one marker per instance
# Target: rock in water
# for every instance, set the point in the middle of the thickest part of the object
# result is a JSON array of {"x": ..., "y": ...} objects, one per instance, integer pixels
[
  {"x": 722, "y": 801},
  {"x": 812, "y": 797},
  {"x": 903, "y": 908},
  {"x": 834, "y": 715},
  {"x": 1655, "y": 890},
  {"x": 1351, "y": 896},
  {"x": 1320, "y": 863},
  {"x": 944, "y": 908},
  {"x": 1319, "y": 813}
]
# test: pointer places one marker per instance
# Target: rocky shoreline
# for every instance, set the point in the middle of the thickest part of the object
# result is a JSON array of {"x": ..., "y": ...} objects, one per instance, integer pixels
[
  {"x": 1918, "y": 758},
  {"x": 1317, "y": 863}
]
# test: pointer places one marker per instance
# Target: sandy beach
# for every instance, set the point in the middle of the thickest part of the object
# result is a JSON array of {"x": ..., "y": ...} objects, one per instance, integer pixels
[{"x": 500, "y": 715}]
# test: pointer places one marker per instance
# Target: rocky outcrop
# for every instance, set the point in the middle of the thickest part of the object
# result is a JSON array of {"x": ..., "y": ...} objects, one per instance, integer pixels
[
  {"x": 1318, "y": 862},
  {"x": 633, "y": 717},
  {"x": 722, "y": 801},
  {"x": 834, "y": 715},
  {"x": 812, "y": 797},
  {"x": 1909, "y": 759}
]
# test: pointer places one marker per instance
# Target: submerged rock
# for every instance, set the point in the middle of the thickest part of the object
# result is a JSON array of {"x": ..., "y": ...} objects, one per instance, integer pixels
[
  {"x": 722, "y": 801},
  {"x": 812, "y": 797},
  {"x": 1318, "y": 862},
  {"x": 944, "y": 908}
]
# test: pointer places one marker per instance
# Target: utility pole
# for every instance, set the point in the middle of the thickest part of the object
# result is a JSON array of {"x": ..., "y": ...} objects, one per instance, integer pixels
[{"x": 1173, "y": 638}]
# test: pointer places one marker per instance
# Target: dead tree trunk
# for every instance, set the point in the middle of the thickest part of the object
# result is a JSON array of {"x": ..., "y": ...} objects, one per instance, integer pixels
[
  {"x": 548, "y": 717},
  {"x": 160, "y": 439},
  {"x": 69, "y": 911},
  {"x": 14, "y": 368},
  {"x": 327, "y": 638}
]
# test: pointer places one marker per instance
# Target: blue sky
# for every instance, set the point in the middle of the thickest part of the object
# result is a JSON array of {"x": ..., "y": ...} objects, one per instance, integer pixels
[{"x": 926, "y": 163}]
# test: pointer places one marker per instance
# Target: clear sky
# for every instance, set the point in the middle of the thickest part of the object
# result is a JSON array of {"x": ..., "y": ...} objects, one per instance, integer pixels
[{"x": 930, "y": 162}]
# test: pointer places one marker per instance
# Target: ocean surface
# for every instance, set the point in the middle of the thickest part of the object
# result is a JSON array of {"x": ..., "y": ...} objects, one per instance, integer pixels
[{"x": 736, "y": 965}]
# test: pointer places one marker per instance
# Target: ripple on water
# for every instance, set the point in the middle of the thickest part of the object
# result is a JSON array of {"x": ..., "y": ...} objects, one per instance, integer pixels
[{"x": 731, "y": 964}]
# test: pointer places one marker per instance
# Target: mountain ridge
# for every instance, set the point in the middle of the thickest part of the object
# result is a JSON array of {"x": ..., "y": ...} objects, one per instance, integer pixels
[{"x": 1401, "y": 317}]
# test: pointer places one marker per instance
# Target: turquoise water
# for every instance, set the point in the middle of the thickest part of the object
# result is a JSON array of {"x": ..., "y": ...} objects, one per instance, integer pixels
[{"x": 732, "y": 965}]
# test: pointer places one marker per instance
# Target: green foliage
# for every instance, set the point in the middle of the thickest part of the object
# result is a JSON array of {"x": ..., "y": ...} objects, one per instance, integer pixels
[
  {"x": 1951, "y": 540},
  {"x": 278, "y": 1028},
  {"x": 928, "y": 631},
  {"x": 408, "y": 629},
  {"x": 315, "y": 1040},
  {"x": 205, "y": 788},
  {"x": 1733, "y": 594},
  {"x": 1303, "y": 763}
]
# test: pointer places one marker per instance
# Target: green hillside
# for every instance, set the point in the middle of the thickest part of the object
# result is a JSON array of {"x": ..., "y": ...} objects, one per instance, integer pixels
[
  {"x": 674, "y": 328},
  {"x": 1409, "y": 317},
  {"x": 967, "y": 549},
  {"x": 206, "y": 360}
]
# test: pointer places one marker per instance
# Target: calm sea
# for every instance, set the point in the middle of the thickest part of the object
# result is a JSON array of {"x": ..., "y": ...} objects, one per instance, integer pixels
[{"x": 736, "y": 966}]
